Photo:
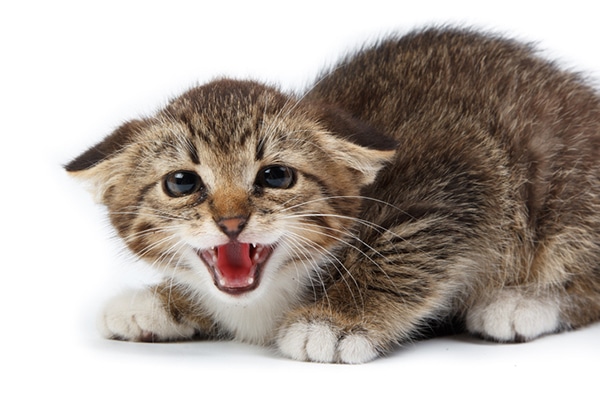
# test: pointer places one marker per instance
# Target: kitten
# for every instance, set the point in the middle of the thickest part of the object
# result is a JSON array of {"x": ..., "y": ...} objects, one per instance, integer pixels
[{"x": 440, "y": 175}]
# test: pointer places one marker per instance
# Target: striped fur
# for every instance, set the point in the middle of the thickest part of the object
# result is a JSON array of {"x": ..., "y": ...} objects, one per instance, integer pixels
[{"x": 442, "y": 175}]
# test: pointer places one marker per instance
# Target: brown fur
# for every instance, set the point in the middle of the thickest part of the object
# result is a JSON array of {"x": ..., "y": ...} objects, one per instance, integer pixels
[{"x": 493, "y": 191}]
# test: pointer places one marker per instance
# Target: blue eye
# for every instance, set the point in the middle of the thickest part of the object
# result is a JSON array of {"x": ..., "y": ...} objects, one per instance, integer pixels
[
  {"x": 277, "y": 177},
  {"x": 182, "y": 183}
]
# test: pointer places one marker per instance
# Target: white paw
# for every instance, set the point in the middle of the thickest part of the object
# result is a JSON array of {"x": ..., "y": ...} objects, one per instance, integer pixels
[
  {"x": 512, "y": 316},
  {"x": 321, "y": 342},
  {"x": 140, "y": 316}
]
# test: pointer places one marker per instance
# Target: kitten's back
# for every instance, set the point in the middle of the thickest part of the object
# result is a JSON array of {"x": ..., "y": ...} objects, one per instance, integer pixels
[{"x": 504, "y": 142}]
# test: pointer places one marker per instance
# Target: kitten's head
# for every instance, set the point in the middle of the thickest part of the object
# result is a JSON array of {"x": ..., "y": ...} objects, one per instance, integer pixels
[{"x": 235, "y": 183}]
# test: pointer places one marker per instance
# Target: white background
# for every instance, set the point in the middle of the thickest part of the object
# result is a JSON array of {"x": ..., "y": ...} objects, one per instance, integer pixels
[{"x": 71, "y": 71}]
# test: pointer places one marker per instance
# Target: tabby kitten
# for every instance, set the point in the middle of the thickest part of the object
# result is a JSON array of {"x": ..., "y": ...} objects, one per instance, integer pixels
[{"x": 441, "y": 175}]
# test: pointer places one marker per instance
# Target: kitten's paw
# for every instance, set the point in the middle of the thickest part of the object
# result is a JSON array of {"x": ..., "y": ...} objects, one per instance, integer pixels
[
  {"x": 323, "y": 341},
  {"x": 512, "y": 316},
  {"x": 140, "y": 316}
]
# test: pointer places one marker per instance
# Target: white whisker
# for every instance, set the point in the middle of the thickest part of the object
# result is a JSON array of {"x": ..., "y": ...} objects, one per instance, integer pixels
[{"x": 335, "y": 261}]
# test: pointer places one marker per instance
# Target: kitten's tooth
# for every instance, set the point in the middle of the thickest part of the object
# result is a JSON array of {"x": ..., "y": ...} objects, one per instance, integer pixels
[{"x": 250, "y": 281}]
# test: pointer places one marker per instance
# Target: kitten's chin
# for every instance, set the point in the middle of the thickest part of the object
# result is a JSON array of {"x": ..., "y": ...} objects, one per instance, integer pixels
[{"x": 236, "y": 267}]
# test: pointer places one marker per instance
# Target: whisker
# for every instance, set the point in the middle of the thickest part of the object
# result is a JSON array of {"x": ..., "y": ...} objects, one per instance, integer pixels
[
  {"x": 378, "y": 228},
  {"x": 327, "y": 198},
  {"x": 149, "y": 211},
  {"x": 155, "y": 244},
  {"x": 294, "y": 250},
  {"x": 332, "y": 257},
  {"x": 349, "y": 244},
  {"x": 150, "y": 231}
]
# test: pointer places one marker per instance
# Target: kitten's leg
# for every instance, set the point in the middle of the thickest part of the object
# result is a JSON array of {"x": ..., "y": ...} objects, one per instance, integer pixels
[
  {"x": 582, "y": 301},
  {"x": 515, "y": 314},
  {"x": 381, "y": 301},
  {"x": 159, "y": 313},
  {"x": 563, "y": 292},
  {"x": 322, "y": 333}
]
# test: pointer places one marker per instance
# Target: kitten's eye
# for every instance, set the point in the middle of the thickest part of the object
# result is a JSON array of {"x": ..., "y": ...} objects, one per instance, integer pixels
[
  {"x": 276, "y": 176},
  {"x": 182, "y": 183}
]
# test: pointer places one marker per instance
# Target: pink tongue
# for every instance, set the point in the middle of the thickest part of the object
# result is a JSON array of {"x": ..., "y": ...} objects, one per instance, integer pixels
[{"x": 234, "y": 263}]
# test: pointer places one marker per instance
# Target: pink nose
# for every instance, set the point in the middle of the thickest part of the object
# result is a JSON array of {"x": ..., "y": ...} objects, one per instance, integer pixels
[{"x": 232, "y": 226}]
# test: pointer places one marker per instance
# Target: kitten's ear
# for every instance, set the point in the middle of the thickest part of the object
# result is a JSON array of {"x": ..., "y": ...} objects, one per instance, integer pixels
[
  {"x": 98, "y": 165},
  {"x": 357, "y": 144}
]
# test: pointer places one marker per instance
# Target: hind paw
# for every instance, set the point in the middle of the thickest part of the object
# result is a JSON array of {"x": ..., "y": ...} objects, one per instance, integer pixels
[{"x": 512, "y": 316}]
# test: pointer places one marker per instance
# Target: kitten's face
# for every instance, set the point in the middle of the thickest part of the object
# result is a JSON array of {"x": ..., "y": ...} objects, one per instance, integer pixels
[{"x": 234, "y": 183}]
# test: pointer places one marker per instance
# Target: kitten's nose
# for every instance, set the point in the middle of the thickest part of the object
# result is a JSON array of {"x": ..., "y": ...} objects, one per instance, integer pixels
[{"x": 232, "y": 226}]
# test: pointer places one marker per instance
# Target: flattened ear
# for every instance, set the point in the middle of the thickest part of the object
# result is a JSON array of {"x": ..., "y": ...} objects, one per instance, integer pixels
[
  {"x": 93, "y": 166},
  {"x": 357, "y": 144},
  {"x": 107, "y": 148}
]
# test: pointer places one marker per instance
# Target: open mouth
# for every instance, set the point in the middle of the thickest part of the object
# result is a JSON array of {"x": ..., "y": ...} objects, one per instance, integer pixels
[{"x": 236, "y": 267}]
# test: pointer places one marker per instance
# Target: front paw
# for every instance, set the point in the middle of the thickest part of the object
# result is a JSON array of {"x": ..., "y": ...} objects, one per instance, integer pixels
[
  {"x": 326, "y": 339},
  {"x": 140, "y": 316}
]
